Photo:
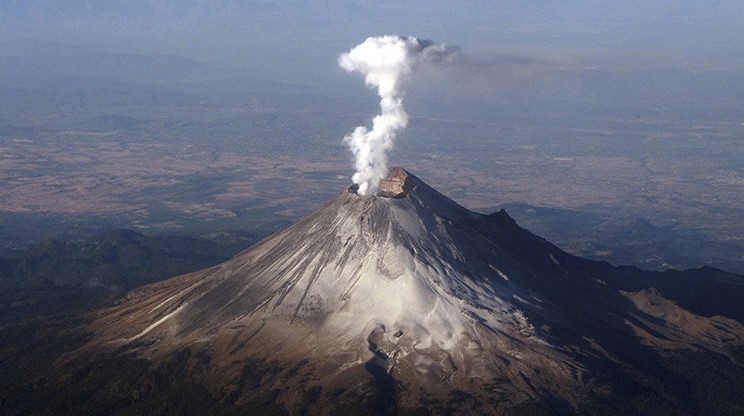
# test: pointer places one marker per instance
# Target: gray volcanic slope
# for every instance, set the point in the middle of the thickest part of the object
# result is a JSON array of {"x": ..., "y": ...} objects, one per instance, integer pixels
[{"x": 416, "y": 294}]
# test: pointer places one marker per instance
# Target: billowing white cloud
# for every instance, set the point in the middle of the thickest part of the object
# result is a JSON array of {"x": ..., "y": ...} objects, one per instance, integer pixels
[{"x": 386, "y": 63}]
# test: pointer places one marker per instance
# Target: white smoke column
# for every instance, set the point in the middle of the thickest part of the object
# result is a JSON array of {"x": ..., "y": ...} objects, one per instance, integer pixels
[{"x": 386, "y": 63}]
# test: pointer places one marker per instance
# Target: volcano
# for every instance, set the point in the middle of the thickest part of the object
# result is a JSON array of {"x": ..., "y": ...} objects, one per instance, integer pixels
[{"x": 406, "y": 301}]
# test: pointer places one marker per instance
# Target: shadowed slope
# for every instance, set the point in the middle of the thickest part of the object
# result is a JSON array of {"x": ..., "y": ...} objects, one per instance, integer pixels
[{"x": 415, "y": 297}]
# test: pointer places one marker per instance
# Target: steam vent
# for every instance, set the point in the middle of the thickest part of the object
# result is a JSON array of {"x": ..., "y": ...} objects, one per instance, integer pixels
[{"x": 396, "y": 185}]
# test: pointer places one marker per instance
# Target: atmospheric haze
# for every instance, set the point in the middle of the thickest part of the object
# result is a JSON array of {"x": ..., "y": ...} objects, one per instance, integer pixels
[
  {"x": 386, "y": 63},
  {"x": 610, "y": 130}
]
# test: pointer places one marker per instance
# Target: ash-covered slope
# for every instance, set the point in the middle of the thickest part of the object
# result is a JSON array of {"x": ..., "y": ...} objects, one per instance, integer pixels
[{"x": 413, "y": 297}]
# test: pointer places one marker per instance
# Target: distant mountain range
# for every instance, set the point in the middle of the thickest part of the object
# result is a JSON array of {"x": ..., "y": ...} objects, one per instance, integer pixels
[
  {"x": 627, "y": 241},
  {"x": 39, "y": 77},
  {"x": 38, "y": 59}
]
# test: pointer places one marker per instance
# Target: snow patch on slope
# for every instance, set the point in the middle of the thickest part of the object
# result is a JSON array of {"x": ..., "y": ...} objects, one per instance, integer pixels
[{"x": 157, "y": 323}]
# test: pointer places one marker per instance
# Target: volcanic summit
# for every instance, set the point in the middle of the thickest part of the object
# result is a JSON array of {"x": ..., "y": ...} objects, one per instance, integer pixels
[
  {"x": 407, "y": 299},
  {"x": 396, "y": 185}
]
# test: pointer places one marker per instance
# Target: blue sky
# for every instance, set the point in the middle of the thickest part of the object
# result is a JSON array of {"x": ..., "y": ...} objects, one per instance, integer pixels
[{"x": 301, "y": 39}]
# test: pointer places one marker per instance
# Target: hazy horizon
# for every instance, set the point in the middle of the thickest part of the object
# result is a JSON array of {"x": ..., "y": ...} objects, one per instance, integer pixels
[
  {"x": 700, "y": 35},
  {"x": 212, "y": 115}
]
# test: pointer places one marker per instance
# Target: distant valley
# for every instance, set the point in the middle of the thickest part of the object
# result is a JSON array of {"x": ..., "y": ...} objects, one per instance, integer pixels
[{"x": 57, "y": 277}]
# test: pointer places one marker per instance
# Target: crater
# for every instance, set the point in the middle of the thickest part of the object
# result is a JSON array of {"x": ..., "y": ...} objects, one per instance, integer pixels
[{"x": 397, "y": 184}]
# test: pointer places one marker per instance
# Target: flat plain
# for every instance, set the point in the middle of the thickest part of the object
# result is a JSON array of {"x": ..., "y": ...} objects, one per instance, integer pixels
[
  {"x": 189, "y": 172},
  {"x": 168, "y": 145}
]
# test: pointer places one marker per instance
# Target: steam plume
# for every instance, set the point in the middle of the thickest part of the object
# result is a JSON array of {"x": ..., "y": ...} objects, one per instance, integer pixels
[{"x": 386, "y": 63}]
